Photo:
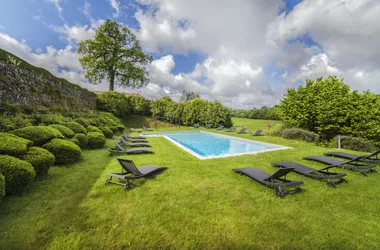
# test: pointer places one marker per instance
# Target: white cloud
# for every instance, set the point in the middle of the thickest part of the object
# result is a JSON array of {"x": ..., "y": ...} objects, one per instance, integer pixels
[
  {"x": 57, "y": 4},
  {"x": 76, "y": 33},
  {"x": 115, "y": 5}
]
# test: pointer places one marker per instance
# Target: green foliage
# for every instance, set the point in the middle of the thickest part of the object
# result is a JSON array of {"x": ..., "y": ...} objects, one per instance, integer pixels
[
  {"x": 2, "y": 186},
  {"x": 300, "y": 134},
  {"x": 115, "y": 54},
  {"x": 13, "y": 145},
  {"x": 264, "y": 112},
  {"x": 96, "y": 140},
  {"x": 52, "y": 119},
  {"x": 56, "y": 132},
  {"x": 139, "y": 105},
  {"x": 39, "y": 135},
  {"x": 188, "y": 96},
  {"x": 195, "y": 111},
  {"x": 82, "y": 122},
  {"x": 82, "y": 140},
  {"x": 13, "y": 60},
  {"x": 76, "y": 127},
  {"x": 355, "y": 143},
  {"x": 93, "y": 129},
  {"x": 41, "y": 160},
  {"x": 65, "y": 152},
  {"x": 113, "y": 102},
  {"x": 66, "y": 132},
  {"x": 18, "y": 174},
  {"x": 75, "y": 140},
  {"x": 94, "y": 122},
  {"x": 107, "y": 132},
  {"x": 12, "y": 122},
  {"x": 163, "y": 107},
  {"x": 329, "y": 108}
]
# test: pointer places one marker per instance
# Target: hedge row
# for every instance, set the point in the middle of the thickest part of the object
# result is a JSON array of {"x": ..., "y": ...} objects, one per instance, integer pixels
[
  {"x": 41, "y": 160},
  {"x": 65, "y": 152}
]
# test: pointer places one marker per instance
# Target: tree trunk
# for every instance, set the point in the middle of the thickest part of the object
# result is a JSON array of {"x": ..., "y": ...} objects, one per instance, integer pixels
[{"x": 111, "y": 81}]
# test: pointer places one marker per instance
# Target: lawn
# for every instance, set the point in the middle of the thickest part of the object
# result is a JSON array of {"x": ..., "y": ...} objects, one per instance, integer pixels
[{"x": 196, "y": 204}]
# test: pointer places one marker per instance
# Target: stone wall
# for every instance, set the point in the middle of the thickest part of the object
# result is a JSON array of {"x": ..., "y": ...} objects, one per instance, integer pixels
[{"x": 30, "y": 88}]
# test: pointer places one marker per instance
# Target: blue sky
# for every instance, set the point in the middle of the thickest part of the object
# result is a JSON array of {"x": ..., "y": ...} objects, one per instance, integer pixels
[{"x": 250, "y": 52}]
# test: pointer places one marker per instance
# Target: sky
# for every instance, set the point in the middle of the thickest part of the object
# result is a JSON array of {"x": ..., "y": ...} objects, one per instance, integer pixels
[{"x": 244, "y": 53}]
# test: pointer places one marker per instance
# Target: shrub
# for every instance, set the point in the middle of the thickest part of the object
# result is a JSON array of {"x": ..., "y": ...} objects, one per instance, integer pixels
[
  {"x": 355, "y": 143},
  {"x": 82, "y": 122},
  {"x": 76, "y": 127},
  {"x": 75, "y": 140},
  {"x": 94, "y": 122},
  {"x": 106, "y": 131},
  {"x": 296, "y": 133},
  {"x": 2, "y": 186},
  {"x": 18, "y": 174},
  {"x": 52, "y": 119},
  {"x": 65, "y": 152},
  {"x": 13, "y": 145},
  {"x": 41, "y": 160},
  {"x": 66, "y": 132},
  {"x": 93, "y": 129},
  {"x": 39, "y": 135},
  {"x": 277, "y": 130},
  {"x": 82, "y": 140},
  {"x": 120, "y": 127},
  {"x": 56, "y": 132},
  {"x": 114, "y": 102},
  {"x": 96, "y": 140},
  {"x": 9, "y": 123}
]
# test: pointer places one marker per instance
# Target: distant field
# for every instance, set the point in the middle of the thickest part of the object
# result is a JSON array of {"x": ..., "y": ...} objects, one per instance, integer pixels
[{"x": 253, "y": 125}]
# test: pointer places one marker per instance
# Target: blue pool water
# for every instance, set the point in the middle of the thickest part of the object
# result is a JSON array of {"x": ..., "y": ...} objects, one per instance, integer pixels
[{"x": 205, "y": 145}]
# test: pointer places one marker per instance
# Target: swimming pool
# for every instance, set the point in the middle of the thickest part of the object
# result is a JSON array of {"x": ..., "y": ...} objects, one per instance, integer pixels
[{"x": 206, "y": 145}]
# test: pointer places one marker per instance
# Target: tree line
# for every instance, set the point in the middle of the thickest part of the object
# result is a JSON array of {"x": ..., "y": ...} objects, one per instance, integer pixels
[{"x": 264, "y": 113}]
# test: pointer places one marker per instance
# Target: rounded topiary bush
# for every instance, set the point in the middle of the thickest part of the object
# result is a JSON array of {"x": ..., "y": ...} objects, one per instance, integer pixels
[
  {"x": 82, "y": 122},
  {"x": 114, "y": 129},
  {"x": 18, "y": 174},
  {"x": 106, "y": 131},
  {"x": 41, "y": 160},
  {"x": 120, "y": 127},
  {"x": 96, "y": 140},
  {"x": 13, "y": 145},
  {"x": 82, "y": 139},
  {"x": 75, "y": 140},
  {"x": 301, "y": 134},
  {"x": 66, "y": 132},
  {"x": 56, "y": 132},
  {"x": 94, "y": 122},
  {"x": 76, "y": 127},
  {"x": 355, "y": 143},
  {"x": 39, "y": 135},
  {"x": 65, "y": 152},
  {"x": 93, "y": 129},
  {"x": 2, "y": 186}
]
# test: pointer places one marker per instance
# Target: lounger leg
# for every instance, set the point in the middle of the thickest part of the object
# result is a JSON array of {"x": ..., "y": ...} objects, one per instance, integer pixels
[
  {"x": 331, "y": 184},
  {"x": 361, "y": 171},
  {"x": 108, "y": 181},
  {"x": 127, "y": 185}
]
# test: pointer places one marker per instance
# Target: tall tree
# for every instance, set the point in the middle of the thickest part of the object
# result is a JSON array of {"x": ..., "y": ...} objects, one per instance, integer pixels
[{"x": 114, "y": 54}]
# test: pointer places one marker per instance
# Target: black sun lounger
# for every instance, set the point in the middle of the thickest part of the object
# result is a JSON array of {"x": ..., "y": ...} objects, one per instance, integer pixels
[
  {"x": 120, "y": 150},
  {"x": 196, "y": 125},
  {"x": 133, "y": 144},
  {"x": 242, "y": 131},
  {"x": 275, "y": 181},
  {"x": 209, "y": 126},
  {"x": 321, "y": 174},
  {"x": 135, "y": 130},
  {"x": 258, "y": 132},
  {"x": 134, "y": 138},
  {"x": 130, "y": 172},
  {"x": 147, "y": 129},
  {"x": 371, "y": 158},
  {"x": 352, "y": 164},
  {"x": 220, "y": 128},
  {"x": 231, "y": 129}
]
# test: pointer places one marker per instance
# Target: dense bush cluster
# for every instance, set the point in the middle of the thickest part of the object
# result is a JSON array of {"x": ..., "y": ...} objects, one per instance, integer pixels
[
  {"x": 265, "y": 113},
  {"x": 39, "y": 135},
  {"x": 13, "y": 145},
  {"x": 108, "y": 133},
  {"x": 83, "y": 122},
  {"x": 354, "y": 143},
  {"x": 82, "y": 140},
  {"x": 76, "y": 127},
  {"x": 41, "y": 160},
  {"x": 96, "y": 140},
  {"x": 329, "y": 108},
  {"x": 65, "y": 131},
  {"x": 65, "y": 152},
  {"x": 300, "y": 134},
  {"x": 2, "y": 186},
  {"x": 93, "y": 129},
  {"x": 113, "y": 102},
  {"x": 18, "y": 174}
]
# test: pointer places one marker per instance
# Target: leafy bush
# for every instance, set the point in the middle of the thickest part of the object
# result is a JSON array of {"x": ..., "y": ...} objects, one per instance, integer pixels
[
  {"x": 354, "y": 143},
  {"x": 41, "y": 160},
  {"x": 277, "y": 130},
  {"x": 75, "y": 140},
  {"x": 120, "y": 128},
  {"x": 9, "y": 123},
  {"x": 13, "y": 145},
  {"x": 66, "y": 132},
  {"x": 65, "y": 152},
  {"x": 96, "y": 140},
  {"x": 82, "y": 122},
  {"x": 48, "y": 119},
  {"x": 106, "y": 131},
  {"x": 56, "y": 132},
  {"x": 18, "y": 174},
  {"x": 76, "y": 127},
  {"x": 300, "y": 134},
  {"x": 114, "y": 102},
  {"x": 93, "y": 129},
  {"x": 94, "y": 122},
  {"x": 82, "y": 140},
  {"x": 2, "y": 186},
  {"x": 39, "y": 135}
]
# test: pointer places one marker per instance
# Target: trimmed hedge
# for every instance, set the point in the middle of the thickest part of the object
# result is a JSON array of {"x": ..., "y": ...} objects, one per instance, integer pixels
[
  {"x": 300, "y": 134},
  {"x": 107, "y": 132},
  {"x": 39, "y": 135},
  {"x": 96, "y": 140},
  {"x": 66, "y": 132},
  {"x": 76, "y": 127},
  {"x": 93, "y": 129},
  {"x": 355, "y": 143},
  {"x": 94, "y": 122},
  {"x": 82, "y": 139},
  {"x": 75, "y": 140},
  {"x": 65, "y": 152},
  {"x": 82, "y": 122},
  {"x": 41, "y": 160},
  {"x": 56, "y": 132},
  {"x": 18, "y": 174},
  {"x": 2, "y": 186},
  {"x": 13, "y": 145}
]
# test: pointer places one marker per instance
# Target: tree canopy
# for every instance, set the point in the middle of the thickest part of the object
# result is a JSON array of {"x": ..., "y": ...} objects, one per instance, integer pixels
[{"x": 114, "y": 54}]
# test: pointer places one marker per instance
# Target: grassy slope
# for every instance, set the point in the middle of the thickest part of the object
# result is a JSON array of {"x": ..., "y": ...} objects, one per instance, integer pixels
[{"x": 194, "y": 204}]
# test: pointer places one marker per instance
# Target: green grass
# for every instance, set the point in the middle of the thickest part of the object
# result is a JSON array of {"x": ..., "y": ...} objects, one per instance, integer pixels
[
  {"x": 196, "y": 204},
  {"x": 253, "y": 125}
]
